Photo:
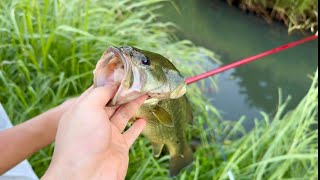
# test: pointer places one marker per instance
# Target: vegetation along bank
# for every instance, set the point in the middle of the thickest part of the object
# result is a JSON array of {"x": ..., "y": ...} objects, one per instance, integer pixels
[{"x": 296, "y": 14}]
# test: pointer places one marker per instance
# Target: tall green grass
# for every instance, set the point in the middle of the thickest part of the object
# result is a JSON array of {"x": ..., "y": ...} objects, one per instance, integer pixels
[
  {"x": 49, "y": 48},
  {"x": 296, "y": 14}
]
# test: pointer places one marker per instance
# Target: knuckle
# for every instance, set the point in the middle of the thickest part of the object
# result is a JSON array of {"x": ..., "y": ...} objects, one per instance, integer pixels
[
  {"x": 135, "y": 104},
  {"x": 124, "y": 115}
]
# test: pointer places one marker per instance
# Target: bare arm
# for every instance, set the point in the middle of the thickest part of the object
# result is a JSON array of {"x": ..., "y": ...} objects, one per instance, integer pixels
[{"x": 23, "y": 140}]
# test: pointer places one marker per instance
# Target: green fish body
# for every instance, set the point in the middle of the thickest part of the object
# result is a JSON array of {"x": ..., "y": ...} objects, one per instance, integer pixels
[{"x": 166, "y": 125}]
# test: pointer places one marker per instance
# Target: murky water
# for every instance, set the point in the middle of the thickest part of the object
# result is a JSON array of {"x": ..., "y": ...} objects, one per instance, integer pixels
[{"x": 233, "y": 34}]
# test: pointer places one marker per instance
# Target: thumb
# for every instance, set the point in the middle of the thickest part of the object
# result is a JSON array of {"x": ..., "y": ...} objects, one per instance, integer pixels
[{"x": 100, "y": 96}]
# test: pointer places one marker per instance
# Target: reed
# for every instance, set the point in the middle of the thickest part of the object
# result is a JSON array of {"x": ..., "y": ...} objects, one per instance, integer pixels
[{"x": 296, "y": 14}]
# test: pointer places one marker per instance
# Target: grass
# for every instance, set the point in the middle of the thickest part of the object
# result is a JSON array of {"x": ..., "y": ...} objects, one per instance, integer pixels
[
  {"x": 296, "y": 14},
  {"x": 284, "y": 147},
  {"x": 49, "y": 48}
]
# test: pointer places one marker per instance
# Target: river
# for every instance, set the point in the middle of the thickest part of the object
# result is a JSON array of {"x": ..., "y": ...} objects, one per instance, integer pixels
[{"x": 233, "y": 34}]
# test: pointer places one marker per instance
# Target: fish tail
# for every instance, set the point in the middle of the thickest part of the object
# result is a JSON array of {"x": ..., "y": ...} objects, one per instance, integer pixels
[{"x": 180, "y": 161}]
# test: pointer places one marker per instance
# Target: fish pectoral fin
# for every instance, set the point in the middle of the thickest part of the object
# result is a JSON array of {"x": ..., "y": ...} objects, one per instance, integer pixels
[
  {"x": 156, "y": 149},
  {"x": 163, "y": 116}
]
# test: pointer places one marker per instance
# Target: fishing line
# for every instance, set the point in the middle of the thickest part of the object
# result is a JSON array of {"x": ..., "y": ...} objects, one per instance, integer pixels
[{"x": 249, "y": 59}]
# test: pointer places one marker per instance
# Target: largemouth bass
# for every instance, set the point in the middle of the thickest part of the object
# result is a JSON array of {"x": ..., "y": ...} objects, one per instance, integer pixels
[{"x": 167, "y": 110}]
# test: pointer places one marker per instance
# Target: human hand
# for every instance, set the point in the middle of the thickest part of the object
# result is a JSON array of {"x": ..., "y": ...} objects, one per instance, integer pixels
[
  {"x": 54, "y": 115},
  {"x": 64, "y": 106},
  {"x": 90, "y": 143}
]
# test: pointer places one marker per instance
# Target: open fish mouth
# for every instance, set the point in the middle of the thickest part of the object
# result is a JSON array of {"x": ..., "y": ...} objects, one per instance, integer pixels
[
  {"x": 115, "y": 67},
  {"x": 112, "y": 67}
]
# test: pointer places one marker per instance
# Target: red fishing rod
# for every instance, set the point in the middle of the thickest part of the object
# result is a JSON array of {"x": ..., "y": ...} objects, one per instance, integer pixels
[{"x": 249, "y": 59}]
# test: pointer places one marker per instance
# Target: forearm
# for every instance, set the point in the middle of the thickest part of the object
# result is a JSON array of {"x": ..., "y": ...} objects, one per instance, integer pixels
[{"x": 20, "y": 142}]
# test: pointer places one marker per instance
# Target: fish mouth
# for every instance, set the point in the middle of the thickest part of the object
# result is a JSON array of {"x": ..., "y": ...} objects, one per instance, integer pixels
[
  {"x": 113, "y": 67},
  {"x": 118, "y": 68}
]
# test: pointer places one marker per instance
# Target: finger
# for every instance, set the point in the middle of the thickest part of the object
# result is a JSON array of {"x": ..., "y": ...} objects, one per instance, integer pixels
[
  {"x": 68, "y": 103},
  {"x": 125, "y": 112},
  {"x": 110, "y": 110},
  {"x": 84, "y": 94},
  {"x": 100, "y": 96},
  {"x": 134, "y": 131}
]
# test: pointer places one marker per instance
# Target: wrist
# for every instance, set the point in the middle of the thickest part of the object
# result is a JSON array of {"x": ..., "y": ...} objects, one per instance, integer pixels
[
  {"x": 61, "y": 170},
  {"x": 64, "y": 169},
  {"x": 45, "y": 126},
  {"x": 65, "y": 166}
]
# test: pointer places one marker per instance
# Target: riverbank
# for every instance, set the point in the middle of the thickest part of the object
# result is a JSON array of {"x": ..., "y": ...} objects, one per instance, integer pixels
[{"x": 296, "y": 15}]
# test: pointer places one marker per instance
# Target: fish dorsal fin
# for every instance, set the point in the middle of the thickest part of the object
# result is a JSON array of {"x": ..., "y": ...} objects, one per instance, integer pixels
[
  {"x": 156, "y": 149},
  {"x": 163, "y": 116}
]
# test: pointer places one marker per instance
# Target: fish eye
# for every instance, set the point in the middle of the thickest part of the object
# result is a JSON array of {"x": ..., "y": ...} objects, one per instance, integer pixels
[{"x": 145, "y": 60}]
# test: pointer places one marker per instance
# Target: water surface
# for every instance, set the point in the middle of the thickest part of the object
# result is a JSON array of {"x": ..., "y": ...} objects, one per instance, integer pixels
[{"x": 233, "y": 34}]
